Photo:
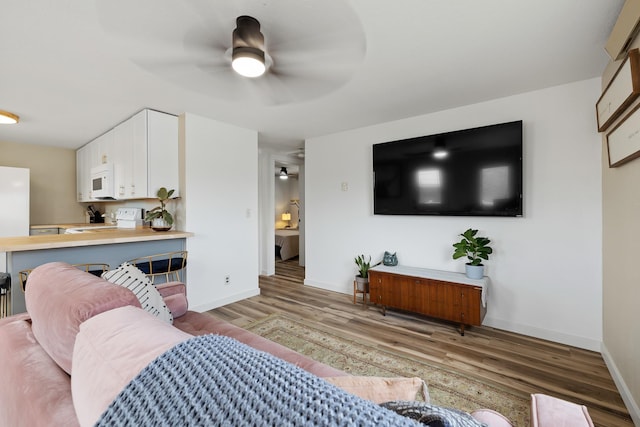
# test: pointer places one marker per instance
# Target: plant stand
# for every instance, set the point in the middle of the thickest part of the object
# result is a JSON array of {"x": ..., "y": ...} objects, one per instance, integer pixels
[{"x": 364, "y": 291}]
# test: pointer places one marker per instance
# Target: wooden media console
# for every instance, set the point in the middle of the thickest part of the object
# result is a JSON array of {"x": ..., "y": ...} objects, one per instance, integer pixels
[{"x": 440, "y": 294}]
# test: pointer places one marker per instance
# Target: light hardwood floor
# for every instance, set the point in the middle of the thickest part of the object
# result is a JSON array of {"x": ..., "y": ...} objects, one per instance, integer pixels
[{"x": 517, "y": 361}]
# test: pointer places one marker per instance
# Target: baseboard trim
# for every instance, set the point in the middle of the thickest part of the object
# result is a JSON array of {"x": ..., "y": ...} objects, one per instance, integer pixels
[
  {"x": 328, "y": 287},
  {"x": 573, "y": 340},
  {"x": 625, "y": 393},
  {"x": 224, "y": 301},
  {"x": 545, "y": 334}
]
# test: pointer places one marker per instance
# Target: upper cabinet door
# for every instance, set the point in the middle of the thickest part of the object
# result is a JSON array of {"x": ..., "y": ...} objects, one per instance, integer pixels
[
  {"x": 130, "y": 168},
  {"x": 162, "y": 154},
  {"x": 83, "y": 173}
]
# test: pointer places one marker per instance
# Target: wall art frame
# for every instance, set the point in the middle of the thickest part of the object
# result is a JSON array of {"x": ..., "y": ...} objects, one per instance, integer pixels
[
  {"x": 623, "y": 141},
  {"x": 621, "y": 91}
]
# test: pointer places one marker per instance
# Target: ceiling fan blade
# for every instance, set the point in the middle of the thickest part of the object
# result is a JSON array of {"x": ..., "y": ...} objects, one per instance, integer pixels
[{"x": 188, "y": 44}]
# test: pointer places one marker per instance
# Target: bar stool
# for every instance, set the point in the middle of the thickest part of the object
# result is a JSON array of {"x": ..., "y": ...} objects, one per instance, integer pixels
[
  {"x": 94, "y": 268},
  {"x": 22, "y": 277},
  {"x": 5, "y": 294},
  {"x": 168, "y": 264}
]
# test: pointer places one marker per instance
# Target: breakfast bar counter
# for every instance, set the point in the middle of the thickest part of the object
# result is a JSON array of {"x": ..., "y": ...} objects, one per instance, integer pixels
[
  {"x": 86, "y": 244},
  {"x": 93, "y": 236}
]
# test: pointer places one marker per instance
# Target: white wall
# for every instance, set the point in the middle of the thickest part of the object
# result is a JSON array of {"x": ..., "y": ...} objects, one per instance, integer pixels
[
  {"x": 220, "y": 204},
  {"x": 546, "y": 271}
]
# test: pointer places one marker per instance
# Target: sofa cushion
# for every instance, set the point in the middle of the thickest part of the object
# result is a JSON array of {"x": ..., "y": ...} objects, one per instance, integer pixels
[
  {"x": 548, "y": 411},
  {"x": 35, "y": 391},
  {"x": 380, "y": 389},
  {"x": 110, "y": 350},
  {"x": 130, "y": 277},
  {"x": 60, "y": 297},
  {"x": 174, "y": 295},
  {"x": 491, "y": 418}
]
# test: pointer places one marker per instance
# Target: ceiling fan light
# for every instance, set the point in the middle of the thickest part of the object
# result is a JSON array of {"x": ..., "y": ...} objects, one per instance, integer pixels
[
  {"x": 247, "y": 58},
  {"x": 248, "y": 62},
  {"x": 283, "y": 173},
  {"x": 7, "y": 118},
  {"x": 440, "y": 153}
]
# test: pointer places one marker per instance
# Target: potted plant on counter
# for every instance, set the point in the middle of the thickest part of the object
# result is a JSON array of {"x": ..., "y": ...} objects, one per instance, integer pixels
[
  {"x": 362, "y": 278},
  {"x": 475, "y": 249},
  {"x": 161, "y": 219}
]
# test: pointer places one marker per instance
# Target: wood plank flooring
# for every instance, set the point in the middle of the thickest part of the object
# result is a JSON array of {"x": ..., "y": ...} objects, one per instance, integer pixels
[{"x": 517, "y": 361}]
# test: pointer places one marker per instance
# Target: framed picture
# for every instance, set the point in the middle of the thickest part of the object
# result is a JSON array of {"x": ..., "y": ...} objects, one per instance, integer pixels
[
  {"x": 623, "y": 142},
  {"x": 621, "y": 91}
]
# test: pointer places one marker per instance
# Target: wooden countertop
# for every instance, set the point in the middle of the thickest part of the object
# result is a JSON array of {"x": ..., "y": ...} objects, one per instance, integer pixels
[
  {"x": 106, "y": 236},
  {"x": 67, "y": 225}
]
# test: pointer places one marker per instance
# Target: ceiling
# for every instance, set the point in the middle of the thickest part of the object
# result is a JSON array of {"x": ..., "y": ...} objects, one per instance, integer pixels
[{"x": 73, "y": 69}]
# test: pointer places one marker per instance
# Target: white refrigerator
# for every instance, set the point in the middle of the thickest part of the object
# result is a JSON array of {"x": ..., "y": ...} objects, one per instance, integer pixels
[{"x": 14, "y": 215}]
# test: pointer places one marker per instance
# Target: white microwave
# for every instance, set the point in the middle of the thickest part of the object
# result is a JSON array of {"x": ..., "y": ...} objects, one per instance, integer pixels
[{"x": 102, "y": 182}]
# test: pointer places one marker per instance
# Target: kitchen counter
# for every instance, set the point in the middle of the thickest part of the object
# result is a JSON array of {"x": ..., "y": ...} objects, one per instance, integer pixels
[
  {"x": 92, "y": 243},
  {"x": 66, "y": 225},
  {"x": 99, "y": 236}
]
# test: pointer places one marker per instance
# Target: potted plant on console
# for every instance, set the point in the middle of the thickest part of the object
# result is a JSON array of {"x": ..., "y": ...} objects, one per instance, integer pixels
[
  {"x": 161, "y": 219},
  {"x": 475, "y": 249},
  {"x": 362, "y": 278}
]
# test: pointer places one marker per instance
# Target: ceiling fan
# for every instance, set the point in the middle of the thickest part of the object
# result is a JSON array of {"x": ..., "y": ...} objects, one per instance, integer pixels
[
  {"x": 310, "y": 48},
  {"x": 298, "y": 153}
]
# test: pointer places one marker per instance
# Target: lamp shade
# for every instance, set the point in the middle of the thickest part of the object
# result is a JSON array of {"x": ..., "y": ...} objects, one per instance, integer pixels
[{"x": 286, "y": 216}]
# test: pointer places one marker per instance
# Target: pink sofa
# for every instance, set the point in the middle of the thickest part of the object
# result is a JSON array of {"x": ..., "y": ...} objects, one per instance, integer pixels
[
  {"x": 37, "y": 347},
  {"x": 83, "y": 339}
]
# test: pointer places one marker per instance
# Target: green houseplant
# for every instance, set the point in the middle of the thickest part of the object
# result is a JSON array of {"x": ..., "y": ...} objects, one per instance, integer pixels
[
  {"x": 362, "y": 278},
  {"x": 161, "y": 219},
  {"x": 476, "y": 249}
]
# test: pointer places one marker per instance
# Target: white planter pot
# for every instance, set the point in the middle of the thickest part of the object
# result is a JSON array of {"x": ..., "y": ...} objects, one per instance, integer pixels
[
  {"x": 159, "y": 224},
  {"x": 362, "y": 284},
  {"x": 474, "y": 271}
]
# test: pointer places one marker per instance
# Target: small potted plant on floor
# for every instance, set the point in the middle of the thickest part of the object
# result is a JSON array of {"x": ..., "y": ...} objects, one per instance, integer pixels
[
  {"x": 475, "y": 249},
  {"x": 161, "y": 219},
  {"x": 362, "y": 278}
]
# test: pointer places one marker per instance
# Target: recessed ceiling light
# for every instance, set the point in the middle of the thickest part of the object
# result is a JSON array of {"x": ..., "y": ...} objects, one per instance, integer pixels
[{"x": 7, "y": 118}]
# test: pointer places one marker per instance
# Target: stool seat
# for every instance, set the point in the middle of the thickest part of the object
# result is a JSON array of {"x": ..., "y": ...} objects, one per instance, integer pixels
[{"x": 168, "y": 264}]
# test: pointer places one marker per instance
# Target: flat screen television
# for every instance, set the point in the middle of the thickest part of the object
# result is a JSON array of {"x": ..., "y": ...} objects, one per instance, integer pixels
[{"x": 471, "y": 172}]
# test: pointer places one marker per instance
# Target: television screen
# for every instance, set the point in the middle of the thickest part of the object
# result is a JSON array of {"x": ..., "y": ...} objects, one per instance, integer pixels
[{"x": 474, "y": 172}]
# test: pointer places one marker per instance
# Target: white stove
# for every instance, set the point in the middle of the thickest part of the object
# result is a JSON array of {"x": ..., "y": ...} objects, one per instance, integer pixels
[{"x": 129, "y": 217}]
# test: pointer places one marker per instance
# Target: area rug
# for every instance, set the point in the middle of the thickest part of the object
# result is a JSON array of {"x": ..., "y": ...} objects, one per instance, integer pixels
[{"x": 361, "y": 357}]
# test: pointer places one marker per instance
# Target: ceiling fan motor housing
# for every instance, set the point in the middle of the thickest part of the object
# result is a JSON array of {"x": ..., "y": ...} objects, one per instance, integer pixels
[{"x": 247, "y": 38}]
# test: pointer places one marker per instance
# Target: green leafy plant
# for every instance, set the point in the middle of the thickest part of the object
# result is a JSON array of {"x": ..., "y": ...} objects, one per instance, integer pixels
[
  {"x": 474, "y": 248},
  {"x": 160, "y": 211},
  {"x": 364, "y": 265}
]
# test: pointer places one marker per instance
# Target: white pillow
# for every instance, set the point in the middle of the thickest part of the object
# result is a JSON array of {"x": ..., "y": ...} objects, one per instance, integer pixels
[{"x": 130, "y": 277}]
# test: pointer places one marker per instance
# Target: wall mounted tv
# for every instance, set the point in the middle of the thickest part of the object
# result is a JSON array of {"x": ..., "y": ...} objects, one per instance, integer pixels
[{"x": 471, "y": 172}]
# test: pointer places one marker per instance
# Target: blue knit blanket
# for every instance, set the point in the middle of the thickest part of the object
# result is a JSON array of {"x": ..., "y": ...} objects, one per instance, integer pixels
[{"x": 214, "y": 380}]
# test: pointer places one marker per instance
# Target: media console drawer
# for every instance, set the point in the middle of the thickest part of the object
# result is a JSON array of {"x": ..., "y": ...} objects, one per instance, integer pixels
[{"x": 456, "y": 299}]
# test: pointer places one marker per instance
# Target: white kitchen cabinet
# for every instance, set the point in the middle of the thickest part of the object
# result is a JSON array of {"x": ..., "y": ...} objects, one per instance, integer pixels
[
  {"x": 102, "y": 149},
  {"x": 144, "y": 153},
  {"x": 162, "y": 152},
  {"x": 83, "y": 173},
  {"x": 130, "y": 158}
]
